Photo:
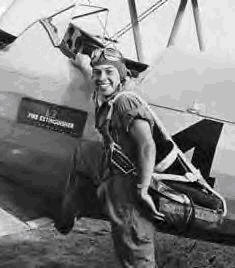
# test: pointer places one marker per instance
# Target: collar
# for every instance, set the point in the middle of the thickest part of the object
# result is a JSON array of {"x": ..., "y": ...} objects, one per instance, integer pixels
[{"x": 99, "y": 100}]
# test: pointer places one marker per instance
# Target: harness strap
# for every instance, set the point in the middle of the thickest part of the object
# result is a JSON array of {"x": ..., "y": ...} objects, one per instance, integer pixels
[
  {"x": 196, "y": 173},
  {"x": 171, "y": 157},
  {"x": 167, "y": 161}
]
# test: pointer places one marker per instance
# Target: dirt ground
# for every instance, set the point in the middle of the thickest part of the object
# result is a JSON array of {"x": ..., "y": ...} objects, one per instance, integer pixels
[{"x": 89, "y": 245}]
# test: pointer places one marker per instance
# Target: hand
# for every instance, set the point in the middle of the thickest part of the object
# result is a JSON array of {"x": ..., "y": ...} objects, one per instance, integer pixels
[
  {"x": 82, "y": 62},
  {"x": 144, "y": 196}
]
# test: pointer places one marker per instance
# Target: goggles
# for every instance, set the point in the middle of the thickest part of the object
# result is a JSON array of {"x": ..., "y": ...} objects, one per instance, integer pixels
[{"x": 110, "y": 54}]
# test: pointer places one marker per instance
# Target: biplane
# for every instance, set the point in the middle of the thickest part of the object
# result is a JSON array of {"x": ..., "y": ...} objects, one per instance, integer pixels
[{"x": 46, "y": 107}]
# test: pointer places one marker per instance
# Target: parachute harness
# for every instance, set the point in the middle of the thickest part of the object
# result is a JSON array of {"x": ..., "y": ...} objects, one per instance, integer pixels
[{"x": 193, "y": 176}]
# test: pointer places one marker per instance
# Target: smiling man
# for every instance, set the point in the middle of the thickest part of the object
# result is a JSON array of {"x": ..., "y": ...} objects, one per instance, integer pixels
[
  {"x": 129, "y": 159},
  {"x": 120, "y": 167},
  {"x": 108, "y": 79}
]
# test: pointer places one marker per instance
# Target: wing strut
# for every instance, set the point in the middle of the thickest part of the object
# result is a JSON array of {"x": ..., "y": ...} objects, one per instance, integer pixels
[
  {"x": 178, "y": 20},
  {"x": 136, "y": 30},
  {"x": 198, "y": 24}
]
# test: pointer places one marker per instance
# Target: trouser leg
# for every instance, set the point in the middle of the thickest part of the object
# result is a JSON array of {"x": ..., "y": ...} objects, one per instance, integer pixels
[
  {"x": 79, "y": 197},
  {"x": 132, "y": 233},
  {"x": 64, "y": 222}
]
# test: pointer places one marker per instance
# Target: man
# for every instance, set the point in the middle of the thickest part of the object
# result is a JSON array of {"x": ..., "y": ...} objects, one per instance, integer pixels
[
  {"x": 127, "y": 125},
  {"x": 135, "y": 145}
]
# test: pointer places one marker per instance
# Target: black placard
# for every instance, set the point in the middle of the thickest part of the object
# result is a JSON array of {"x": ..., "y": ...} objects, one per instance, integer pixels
[{"x": 52, "y": 116}]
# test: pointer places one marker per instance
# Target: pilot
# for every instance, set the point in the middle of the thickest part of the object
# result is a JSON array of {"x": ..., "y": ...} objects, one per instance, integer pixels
[
  {"x": 121, "y": 166},
  {"x": 129, "y": 149}
]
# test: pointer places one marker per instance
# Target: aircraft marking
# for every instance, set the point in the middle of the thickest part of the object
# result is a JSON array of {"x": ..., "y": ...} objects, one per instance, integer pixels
[{"x": 204, "y": 137}]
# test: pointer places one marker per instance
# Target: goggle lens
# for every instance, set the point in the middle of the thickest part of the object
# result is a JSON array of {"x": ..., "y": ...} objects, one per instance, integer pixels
[{"x": 108, "y": 53}]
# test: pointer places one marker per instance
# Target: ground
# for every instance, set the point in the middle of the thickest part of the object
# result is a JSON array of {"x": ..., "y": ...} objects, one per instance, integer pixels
[{"x": 90, "y": 245}]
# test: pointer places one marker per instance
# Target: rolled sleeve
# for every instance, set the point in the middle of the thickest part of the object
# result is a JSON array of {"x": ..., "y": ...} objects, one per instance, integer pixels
[{"x": 129, "y": 108}]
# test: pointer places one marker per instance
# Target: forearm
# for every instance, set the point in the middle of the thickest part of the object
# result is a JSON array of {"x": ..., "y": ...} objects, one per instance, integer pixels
[
  {"x": 142, "y": 135},
  {"x": 147, "y": 152}
]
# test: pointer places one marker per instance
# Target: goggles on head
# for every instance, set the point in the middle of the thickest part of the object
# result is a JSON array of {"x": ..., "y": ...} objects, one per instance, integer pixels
[{"x": 109, "y": 54}]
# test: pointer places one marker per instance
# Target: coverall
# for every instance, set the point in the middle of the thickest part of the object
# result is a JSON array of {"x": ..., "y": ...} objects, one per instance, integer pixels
[{"x": 132, "y": 231}]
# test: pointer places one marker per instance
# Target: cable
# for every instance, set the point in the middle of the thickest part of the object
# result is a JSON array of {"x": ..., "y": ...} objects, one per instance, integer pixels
[
  {"x": 103, "y": 26},
  {"x": 147, "y": 10},
  {"x": 142, "y": 16}
]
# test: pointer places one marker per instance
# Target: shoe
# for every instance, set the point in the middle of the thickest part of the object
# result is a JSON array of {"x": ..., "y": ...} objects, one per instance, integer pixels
[{"x": 64, "y": 226}]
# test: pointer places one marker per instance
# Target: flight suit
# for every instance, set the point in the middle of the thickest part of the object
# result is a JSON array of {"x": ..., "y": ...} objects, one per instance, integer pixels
[{"x": 132, "y": 231}]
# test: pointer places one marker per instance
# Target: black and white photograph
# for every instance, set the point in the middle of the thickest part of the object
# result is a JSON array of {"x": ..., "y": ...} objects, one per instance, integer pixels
[{"x": 117, "y": 134}]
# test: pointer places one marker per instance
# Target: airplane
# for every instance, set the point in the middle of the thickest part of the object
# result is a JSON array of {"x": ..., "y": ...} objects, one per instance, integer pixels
[{"x": 40, "y": 128}]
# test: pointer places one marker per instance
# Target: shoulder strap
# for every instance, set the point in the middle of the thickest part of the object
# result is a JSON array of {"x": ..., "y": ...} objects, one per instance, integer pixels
[
  {"x": 161, "y": 127},
  {"x": 112, "y": 101},
  {"x": 195, "y": 173}
]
